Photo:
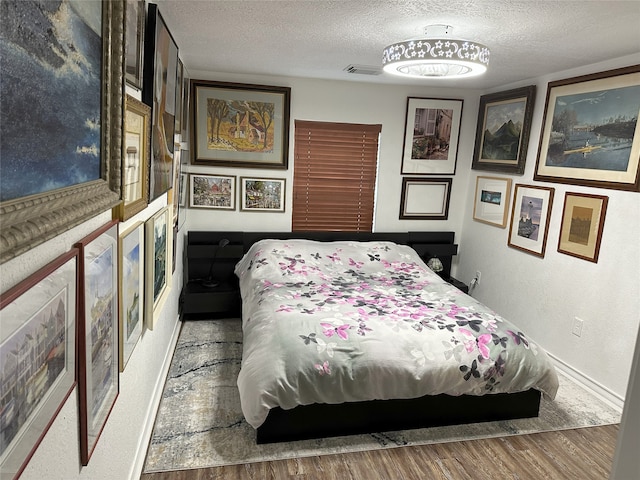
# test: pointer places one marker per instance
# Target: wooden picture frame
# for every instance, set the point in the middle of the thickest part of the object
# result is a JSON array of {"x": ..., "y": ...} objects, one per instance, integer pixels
[
  {"x": 41, "y": 307},
  {"x": 431, "y": 135},
  {"x": 492, "y": 200},
  {"x": 502, "y": 132},
  {"x": 98, "y": 372},
  {"x": 31, "y": 218},
  {"x": 582, "y": 225},
  {"x": 530, "y": 215},
  {"x": 590, "y": 133},
  {"x": 262, "y": 194},
  {"x": 131, "y": 294},
  {"x": 212, "y": 191},
  {"x": 158, "y": 263},
  {"x": 240, "y": 125},
  {"x": 134, "y": 42},
  {"x": 425, "y": 199}
]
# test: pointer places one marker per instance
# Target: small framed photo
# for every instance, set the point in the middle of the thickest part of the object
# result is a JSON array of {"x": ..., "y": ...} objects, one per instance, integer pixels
[
  {"x": 158, "y": 263},
  {"x": 38, "y": 352},
  {"x": 432, "y": 129},
  {"x": 425, "y": 199},
  {"x": 212, "y": 191},
  {"x": 502, "y": 132},
  {"x": 492, "y": 200},
  {"x": 582, "y": 224},
  {"x": 262, "y": 194},
  {"x": 530, "y": 214}
]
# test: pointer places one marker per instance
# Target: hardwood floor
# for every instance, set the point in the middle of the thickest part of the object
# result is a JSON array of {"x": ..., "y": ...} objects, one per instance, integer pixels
[{"x": 581, "y": 454}]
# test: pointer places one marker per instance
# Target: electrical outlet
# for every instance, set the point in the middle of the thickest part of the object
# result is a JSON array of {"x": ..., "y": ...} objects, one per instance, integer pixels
[
  {"x": 577, "y": 326},
  {"x": 478, "y": 275}
]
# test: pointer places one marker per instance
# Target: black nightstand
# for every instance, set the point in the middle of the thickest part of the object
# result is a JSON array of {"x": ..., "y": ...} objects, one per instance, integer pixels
[{"x": 458, "y": 284}]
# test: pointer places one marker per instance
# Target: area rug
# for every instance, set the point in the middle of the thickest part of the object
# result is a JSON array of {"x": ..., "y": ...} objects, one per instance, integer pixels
[{"x": 200, "y": 424}]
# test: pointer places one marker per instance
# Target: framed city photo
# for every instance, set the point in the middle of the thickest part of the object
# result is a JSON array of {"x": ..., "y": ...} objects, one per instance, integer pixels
[
  {"x": 238, "y": 125},
  {"x": 38, "y": 352},
  {"x": 262, "y": 194},
  {"x": 530, "y": 214},
  {"x": 212, "y": 191},
  {"x": 134, "y": 42},
  {"x": 502, "y": 132},
  {"x": 98, "y": 379},
  {"x": 425, "y": 199},
  {"x": 431, "y": 132},
  {"x": 158, "y": 263},
  {"x": 582, "y": 224},
  {"x": 590, "y": 133},
  {"x": 491, "y": 205}
]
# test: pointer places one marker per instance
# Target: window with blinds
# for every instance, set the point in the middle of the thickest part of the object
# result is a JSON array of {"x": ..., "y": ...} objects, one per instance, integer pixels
[{"x": 334, "y": 176}]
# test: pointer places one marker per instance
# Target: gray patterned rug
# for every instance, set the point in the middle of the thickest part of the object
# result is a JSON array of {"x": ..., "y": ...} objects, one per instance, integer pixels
[{"x": 200, "y": 424}]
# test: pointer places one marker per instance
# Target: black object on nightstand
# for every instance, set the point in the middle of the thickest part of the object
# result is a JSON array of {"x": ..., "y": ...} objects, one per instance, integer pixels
[{"x": 458, "y": 284}]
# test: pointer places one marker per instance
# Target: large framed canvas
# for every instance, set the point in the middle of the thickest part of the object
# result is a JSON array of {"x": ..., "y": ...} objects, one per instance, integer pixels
[
  {"x": 432, "y": 130},
  {"x": 158, "y": 264},
  {"x": 425, "y": 199},
  {"x": 131, "y": 283},
  {"x": 38, "y": 352},
  {"x": 590, "y": 133},
  {"x": 530, "y": 214},
  {"x": 582, "y": 224},
  {"x": 262, "y": 194},
  {"x": 492, "y": 200},
  {"x": 159, "y": 92},
  {"x": 98, "y": 373},
  {"x": 239, "y": 125},
  {"x": 134, "y": 42},
  {"x": 502, "y": 132},
  {"x": 212, "y": 191},
  {"x": 61, "y": 125}
]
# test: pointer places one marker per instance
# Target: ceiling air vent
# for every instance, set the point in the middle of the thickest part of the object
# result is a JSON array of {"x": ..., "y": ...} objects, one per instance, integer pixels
[{"x": 363, "y": 69}]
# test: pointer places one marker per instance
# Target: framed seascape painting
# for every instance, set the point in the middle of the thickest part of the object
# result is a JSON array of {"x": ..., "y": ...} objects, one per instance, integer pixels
[
  {"x": 60, "y": 158},
  {"x": 38, "y": 352},
  {"x": 502, "y": 132},
  {"x": 590, "y": 133},
  {"x": 432, "y": 129},
  {"x": 212, "y": 191},
  {"x": 530, "y": 214},
  {"x": 238, "y": 125},
  {"x": 491, "y": 205},
  {"x": 134, "y": 42},
  {"x": 131, "y": 283},
  {"x": 425, "y": 199},
  {"x": 98, "y": 373},
  {"x": 582, "y": 224},
  {"x": 158, "y": 263},
  {"x": 262, "y": 194}
]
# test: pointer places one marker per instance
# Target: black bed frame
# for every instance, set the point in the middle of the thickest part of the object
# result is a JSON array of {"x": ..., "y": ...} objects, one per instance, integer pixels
[{"x": 325, "y": 420}]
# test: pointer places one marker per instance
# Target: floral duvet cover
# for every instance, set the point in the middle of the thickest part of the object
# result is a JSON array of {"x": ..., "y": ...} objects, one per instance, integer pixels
[{"x": 334, "y": 322}]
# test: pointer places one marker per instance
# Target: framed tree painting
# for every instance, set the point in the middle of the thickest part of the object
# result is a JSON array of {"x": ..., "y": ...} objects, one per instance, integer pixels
[
  {"x": 582, "y": 224},
  {"x": 491, "y": 205},
  {"x": 38, "y": 352},
  {"x": 530, "y": 214},
  {"x": 158, "y": 262},
  {"x": 97, "y": 334}
]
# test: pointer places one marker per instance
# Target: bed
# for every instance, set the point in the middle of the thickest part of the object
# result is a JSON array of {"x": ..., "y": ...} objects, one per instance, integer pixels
[{"x": 344, "y": 337}]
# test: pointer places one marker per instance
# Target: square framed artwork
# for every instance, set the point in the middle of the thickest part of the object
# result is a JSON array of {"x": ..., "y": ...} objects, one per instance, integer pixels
[
  {"x": 425, "y": 199},
  {"x": 262, "y": 194},
  {"x": 432, "y": 130},
  {"x": 38, "y": 351},
  {"x": 158, "y": 263},
  {"x": 212, "y": 191},
  {"x": 98, "y": 372},
  {"x": 530, "y": 214},
  {"x": 240, "y": 125},
  {"x": 502, "y": 132},
  {"x": 590, "y": 133},
  {"x": 492, "y": 200},
  {"x": 582, "y": 225}
]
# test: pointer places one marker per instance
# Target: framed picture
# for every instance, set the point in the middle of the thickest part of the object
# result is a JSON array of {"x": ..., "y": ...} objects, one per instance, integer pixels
[
  {"x": 262, "y": 194},
  {"x": 38, "y": 352},
  {"x": 425, "y": 199},
  {"x": 491, "y": 204},
  {"x": 186, "y": 89},
  {"x": 590, "y": 132},
  {"x": 212, "y": 191},
  {"x": 158, "y": 255},
  {"x": 530, "y": 214},
  {"x": 502, "y": 133},
  {"x": 582, "y": 225},
  {"x": 431, "y": 133},
  {"x": 159, "y": 92},
  {"x": 134, "y": 42},
  {"x": 238, "y": 125},
  {"x": 61, "y": 162},
  {"x": 135, "y": 155},
  {"x": 98, "y": 341},
  {"x": 131, "y": 282}
]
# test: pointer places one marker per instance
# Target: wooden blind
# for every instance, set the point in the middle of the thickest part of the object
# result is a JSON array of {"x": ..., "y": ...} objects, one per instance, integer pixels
[{"x": 334, "y": 176}]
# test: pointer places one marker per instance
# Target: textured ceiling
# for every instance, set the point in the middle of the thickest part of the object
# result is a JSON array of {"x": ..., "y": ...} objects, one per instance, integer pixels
[{"x": 319, "y": 38}]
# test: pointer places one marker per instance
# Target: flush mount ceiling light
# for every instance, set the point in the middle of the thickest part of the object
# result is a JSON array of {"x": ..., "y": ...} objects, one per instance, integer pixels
[{"x": 438, "y": 55}]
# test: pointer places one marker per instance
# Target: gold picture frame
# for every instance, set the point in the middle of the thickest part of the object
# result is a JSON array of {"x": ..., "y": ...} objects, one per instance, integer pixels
[
  {"x": 582, "y": 225},
  {"x": 492, "y": 200}
]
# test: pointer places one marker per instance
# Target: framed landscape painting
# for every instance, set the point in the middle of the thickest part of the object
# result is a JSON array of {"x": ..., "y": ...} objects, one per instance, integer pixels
[
  {"x": 491, "y": 205},
  {"x": 158, "y": 263},
  {"x": 212, "y": 191},
  {"x": 262, "y": 194},
  {"x": 582, "y": 224},
  {"x": 530, "y": 214}
]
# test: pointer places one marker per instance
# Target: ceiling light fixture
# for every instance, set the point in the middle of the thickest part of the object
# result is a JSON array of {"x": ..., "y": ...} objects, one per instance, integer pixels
[{"x": 436, "y": 56}]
